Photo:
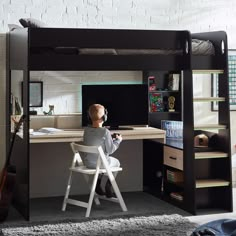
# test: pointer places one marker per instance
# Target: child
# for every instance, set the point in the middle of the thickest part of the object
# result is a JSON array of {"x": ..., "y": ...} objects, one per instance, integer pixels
[{"x": 96, "y": 135}]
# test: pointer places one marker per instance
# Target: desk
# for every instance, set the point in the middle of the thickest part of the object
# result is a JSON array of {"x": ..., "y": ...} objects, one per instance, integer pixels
[
  {"x": 54, "y": 148},
  {"x": 77, "y": 135},
  {"x": 50, "y": 156}
]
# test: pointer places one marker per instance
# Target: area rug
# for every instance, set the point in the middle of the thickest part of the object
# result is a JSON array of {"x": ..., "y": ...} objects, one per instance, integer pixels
[{"x": 165, "y": 225}]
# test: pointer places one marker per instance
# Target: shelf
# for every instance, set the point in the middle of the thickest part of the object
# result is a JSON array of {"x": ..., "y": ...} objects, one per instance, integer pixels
[
  {"x": 206, "y": 188},
  {"x": 208, "y": 183},
  {"x": 209, "y": 99},
  {"x": 56, "y": 115},
  {"x": 171, "y": 183},
  {"x": 208, "y": 71},
  {"x": 169, "y": 112},
  {"x": 208, "y": 155},
  {"x": 209, "y": 126},
  {"x": 163, "y": 91}
]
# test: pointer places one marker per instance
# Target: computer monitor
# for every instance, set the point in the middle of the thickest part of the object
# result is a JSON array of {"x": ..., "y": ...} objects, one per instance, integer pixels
[{"x": 127, "y": 104}]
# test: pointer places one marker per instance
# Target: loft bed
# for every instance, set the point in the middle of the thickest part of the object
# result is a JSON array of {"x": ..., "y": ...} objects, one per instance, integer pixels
[
  {"x": 65, "y": 49},
  {"x": 107, "y": 49}
]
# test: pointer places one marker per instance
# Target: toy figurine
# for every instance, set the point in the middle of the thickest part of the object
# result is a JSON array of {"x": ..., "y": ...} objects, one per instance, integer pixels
[{"x": 51, "y": 110}]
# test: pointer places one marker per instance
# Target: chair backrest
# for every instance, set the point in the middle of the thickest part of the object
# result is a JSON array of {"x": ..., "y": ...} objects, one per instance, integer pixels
[
  {"x": 82, "y": 148},
  {"x": 78, "y": 148}
]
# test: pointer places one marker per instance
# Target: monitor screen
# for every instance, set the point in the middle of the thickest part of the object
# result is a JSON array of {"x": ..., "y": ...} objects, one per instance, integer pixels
[{"x": 127, "y": 104}]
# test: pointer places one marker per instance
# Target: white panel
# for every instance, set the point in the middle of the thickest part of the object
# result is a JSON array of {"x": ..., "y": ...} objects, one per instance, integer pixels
[
  {"x": 2, "y": 98},
  {"x": 49, "y": 165}
]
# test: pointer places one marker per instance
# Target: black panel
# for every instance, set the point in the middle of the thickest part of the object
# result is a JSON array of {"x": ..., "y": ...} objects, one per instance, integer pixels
[
  {"x": 107, "y": 38},
  {"x": 152, "y": 167},
  {"x": 105, "y": 62},
  {"x": 20, "y": 160},
  {"x": 208, "y": 62},
  {"x": 214, "y": 199}
]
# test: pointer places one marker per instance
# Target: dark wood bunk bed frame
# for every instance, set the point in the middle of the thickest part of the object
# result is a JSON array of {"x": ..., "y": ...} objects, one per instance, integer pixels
[{"x": 32, "y": 49}]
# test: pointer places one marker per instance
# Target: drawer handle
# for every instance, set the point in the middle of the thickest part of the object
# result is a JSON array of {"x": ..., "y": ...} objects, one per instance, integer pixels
[{"x": 173, "y": 158}]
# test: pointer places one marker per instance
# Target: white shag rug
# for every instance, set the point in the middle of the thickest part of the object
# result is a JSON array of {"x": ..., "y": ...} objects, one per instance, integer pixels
[{"x": 165, "y": 225}]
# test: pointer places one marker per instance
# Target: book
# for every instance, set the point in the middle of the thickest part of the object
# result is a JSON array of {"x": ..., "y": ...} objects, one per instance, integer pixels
[
  {"x": 174, "y": 176},
  {"x": 177, "y": 196},
  {"x": 173, "y": 83},
  {"x": 174, "y": 129},
  {"x": 156, "y": 102},
  {"x": 151, "y": 83}
]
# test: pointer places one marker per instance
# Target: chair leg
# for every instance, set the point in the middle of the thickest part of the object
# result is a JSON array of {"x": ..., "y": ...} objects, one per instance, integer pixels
[
  {"x": 67, "y": 192},
  {"x": 92, "y": 193},
  {"x": 96, "y": 199},
  {"x": 117, "y": 191}
]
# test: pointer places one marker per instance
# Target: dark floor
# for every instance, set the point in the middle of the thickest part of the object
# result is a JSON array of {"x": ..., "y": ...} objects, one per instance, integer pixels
[{"x": 138, "y": 203}]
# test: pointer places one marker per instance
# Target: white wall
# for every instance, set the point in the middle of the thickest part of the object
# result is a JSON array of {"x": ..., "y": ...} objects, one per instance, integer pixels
[
  {"x": 193, "y": 15},
  {"x": 63, "y": 89},
  {"x": 196, "y": 16}
]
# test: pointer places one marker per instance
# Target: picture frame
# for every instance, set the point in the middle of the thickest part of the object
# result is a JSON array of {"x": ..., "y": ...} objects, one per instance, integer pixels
[
  {"x": 232, "y": 82},
  {"x": 35, "y": 93}
]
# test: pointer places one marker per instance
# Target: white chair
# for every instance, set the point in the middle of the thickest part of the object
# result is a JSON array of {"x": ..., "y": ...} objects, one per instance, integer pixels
[{"x": 78, "y": 166}]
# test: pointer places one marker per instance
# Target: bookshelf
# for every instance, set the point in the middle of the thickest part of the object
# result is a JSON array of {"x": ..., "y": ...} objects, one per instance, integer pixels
[
  {"x": 206, "y": 175},
  {"x": 159, "y": 87}
]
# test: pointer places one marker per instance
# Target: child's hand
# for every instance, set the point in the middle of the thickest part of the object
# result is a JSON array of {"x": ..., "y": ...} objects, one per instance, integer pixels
[{"x": 116, "y": 136}]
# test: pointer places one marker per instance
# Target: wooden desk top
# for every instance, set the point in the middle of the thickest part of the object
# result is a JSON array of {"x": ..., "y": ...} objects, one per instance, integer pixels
[{"x": 77, "y": 135}]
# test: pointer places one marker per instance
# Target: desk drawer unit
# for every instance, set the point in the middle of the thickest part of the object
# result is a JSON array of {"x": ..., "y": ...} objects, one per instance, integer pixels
[{"x": 173, "y": 157}]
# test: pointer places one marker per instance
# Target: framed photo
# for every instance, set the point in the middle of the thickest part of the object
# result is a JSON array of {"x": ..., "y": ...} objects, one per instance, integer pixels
[
  {"x": 35, "y": 93},
  {"x": 232, "y": 82}
]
